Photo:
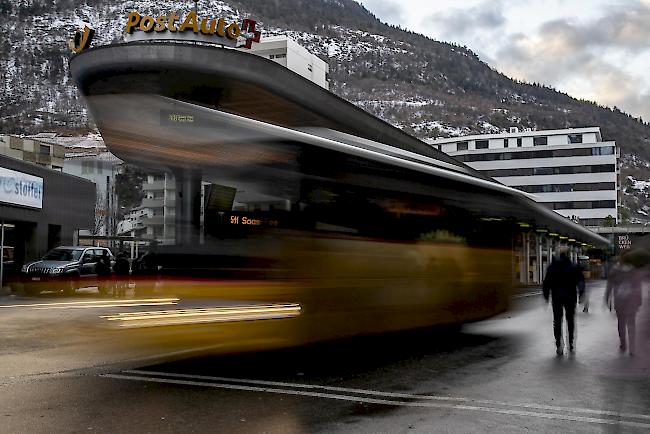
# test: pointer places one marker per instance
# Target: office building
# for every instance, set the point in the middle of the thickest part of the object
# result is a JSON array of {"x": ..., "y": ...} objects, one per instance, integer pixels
[{"x": 572, "y": 171}]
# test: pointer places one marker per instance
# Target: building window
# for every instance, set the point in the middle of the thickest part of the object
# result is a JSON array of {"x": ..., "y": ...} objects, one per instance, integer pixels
[
  {"x": 563, "y": 188},
  {"x": 597, "y": 204},
  {"x": 482, "y": 144},
  {"x": 505, "y": 143},
  {"x": 309, "y": 68},
  {"x": 519, "y": 142},
  {"x": 562, "y": 170},
  {"x": 44, "y": 149},
  {"x": 538, "y": 153},
  {"x": 575, "y": 138},
  {"x": 603, "y": 150},
  {"x": 540, "y": 141},
  {"x": 277, "y": 56},
  {"x": 87, "y": 167},
  {"x": 463, "y": 146}
]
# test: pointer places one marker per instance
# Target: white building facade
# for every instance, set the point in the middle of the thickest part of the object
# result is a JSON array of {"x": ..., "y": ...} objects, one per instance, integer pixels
[
  {"x": 571, "y": 171},
  {"x": 100, "y": 168},
  {"x": 293, "y": 56}
]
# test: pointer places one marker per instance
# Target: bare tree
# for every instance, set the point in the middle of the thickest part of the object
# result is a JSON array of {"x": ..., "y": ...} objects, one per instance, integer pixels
[{"x": 100, "y": 214}]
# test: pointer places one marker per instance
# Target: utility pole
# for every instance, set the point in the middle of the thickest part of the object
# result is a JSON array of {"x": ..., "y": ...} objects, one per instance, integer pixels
[{"x": 108, "y": 203}]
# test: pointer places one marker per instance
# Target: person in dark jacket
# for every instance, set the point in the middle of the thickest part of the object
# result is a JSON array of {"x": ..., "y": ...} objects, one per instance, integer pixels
[
  {"x": 121, "y": 267},
  {"x": 121, "y": 270},
  {"x": 624, "y": 287},
  {"x": 103, "y": 269},
  {"x": 564, "y": 282}
]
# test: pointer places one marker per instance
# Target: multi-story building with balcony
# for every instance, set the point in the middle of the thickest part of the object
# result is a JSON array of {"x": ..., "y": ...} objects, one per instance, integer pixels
[
  {"x": 572, "y": 171},
  {"x": 160, "y": 204}
]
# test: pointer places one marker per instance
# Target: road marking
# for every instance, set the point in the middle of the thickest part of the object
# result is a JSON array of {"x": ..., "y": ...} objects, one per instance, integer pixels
[
  {"x": 352, "y": 398},
  {"x": 527, "y": 294},
  {"x": 390, "y": 394},
  {"x": 95, "y": 302}
]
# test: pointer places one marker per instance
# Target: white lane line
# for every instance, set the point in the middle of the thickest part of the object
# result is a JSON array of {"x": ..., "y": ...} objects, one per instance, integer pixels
[
  {"x": 528, "y": 294},
  {"x": 392, "y": 394},
  {"x": 93, "y": 302},
  {"x": 380, "y": 401}
]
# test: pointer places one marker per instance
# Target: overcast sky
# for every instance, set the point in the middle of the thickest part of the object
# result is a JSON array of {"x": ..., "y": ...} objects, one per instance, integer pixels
[{"x": 593, "y": 49}]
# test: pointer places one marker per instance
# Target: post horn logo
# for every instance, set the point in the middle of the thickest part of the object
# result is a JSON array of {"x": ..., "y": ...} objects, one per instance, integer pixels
[{"x": 81, "y": 39}]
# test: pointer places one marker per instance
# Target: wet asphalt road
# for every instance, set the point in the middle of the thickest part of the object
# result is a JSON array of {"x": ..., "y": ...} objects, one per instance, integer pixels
[{"x": 499, "y": 376}]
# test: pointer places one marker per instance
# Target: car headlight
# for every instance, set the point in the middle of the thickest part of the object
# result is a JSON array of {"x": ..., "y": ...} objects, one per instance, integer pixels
[{"x": 24, "y": 269}]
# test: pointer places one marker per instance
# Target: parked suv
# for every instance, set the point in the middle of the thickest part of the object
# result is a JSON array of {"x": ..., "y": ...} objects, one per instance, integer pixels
[{"x": 63, "y": 268}]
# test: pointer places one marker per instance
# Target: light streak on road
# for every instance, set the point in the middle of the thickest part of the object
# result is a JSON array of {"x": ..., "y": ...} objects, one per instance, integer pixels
[{"x": 204, "y": 315}]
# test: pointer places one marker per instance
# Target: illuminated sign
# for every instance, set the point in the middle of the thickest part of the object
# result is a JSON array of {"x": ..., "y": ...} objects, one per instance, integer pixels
[
  {"x": 17, "y": 188},
  {"x": 624, "y": 242},
  {"x": 248, "y": 221},
  {"x": 190, "y": 27},
  {"x": 179, "y": 118},
  {"x": 81, "y": 39}
]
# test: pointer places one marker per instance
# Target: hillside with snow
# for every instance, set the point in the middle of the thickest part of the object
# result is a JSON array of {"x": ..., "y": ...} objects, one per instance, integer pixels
[{"x": 428, "y": 88}]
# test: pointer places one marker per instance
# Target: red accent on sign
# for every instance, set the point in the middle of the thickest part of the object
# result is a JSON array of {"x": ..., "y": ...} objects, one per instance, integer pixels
[{"x": 249, "y": 26}]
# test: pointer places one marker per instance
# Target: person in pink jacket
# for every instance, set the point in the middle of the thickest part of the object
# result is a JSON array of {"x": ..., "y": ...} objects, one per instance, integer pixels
[{"x": 624, "y": 289}]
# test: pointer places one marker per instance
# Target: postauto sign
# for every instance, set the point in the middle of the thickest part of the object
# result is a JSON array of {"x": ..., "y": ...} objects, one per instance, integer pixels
[
  {"x": 17, "y": 188},
  {"x": 190, "y": 27}
]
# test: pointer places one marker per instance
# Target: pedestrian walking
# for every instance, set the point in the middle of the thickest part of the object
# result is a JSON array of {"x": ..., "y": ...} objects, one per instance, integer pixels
[
  {"x": 563, "y": 283},
  {"x": 103, "y": 270},
  {"x": 583, "y": 266},
  {"x": 624, "y": 288},
  {"x": 121, "y": 270}
]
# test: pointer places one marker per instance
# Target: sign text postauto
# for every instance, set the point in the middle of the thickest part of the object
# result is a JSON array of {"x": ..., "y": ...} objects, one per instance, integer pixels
[{"x": 174, "y": 23}]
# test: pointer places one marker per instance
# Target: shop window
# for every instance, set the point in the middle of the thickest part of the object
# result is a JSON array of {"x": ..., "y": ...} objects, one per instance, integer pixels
[
  {"x": 462, "y": 146},
  {"x": 44, "y": 149}
]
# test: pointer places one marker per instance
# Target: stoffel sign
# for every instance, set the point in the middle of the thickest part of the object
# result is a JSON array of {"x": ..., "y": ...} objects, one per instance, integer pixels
[
  {"x": 18, "y": 188},
  {"x": 190, "y": 27}
]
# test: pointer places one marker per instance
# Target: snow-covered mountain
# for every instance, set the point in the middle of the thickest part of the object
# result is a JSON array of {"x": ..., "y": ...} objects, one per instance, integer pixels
[{"x": 428, "y": 88}]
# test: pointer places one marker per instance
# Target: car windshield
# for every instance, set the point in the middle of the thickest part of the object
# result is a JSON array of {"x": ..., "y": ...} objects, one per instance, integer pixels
[{"x": 63, "y": 255}]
